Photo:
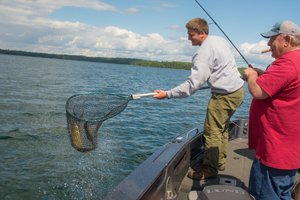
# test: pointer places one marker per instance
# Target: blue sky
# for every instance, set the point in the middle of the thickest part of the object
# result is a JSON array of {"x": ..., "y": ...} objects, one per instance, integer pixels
[{"x": 147, "y": 29}]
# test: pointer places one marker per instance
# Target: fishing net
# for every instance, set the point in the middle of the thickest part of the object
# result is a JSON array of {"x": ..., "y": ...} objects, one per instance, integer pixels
[{"x": 85, "y": 114}]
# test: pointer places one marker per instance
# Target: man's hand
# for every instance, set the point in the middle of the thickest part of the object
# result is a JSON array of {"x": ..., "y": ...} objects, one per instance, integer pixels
[
  {"x": 250, "y": 72},
  {"x": 161, "y": 94},
  {"x": 259, "y": 71},
  {"x": 250, "y": 75}
]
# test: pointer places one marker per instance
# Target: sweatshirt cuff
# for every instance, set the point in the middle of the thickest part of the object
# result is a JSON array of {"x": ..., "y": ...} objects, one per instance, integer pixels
[{"x": 169, "y": 96}]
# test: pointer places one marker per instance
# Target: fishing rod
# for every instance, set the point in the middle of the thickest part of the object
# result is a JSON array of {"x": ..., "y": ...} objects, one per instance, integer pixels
[{"x": 249, "y": 65}]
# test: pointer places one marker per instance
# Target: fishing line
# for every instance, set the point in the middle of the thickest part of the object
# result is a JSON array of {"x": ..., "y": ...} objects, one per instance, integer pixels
[{"x": 249, "y": 65}]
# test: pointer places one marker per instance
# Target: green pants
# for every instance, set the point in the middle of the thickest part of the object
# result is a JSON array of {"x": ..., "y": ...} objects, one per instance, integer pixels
[{"x": 219, "y": 110}]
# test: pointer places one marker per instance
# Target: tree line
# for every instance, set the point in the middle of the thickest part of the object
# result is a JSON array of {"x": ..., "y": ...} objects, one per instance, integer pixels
[{"x": 126, "y": 61}]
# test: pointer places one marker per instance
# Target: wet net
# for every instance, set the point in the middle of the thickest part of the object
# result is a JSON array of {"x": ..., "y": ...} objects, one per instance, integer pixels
[{"x": 85, "y": 114}]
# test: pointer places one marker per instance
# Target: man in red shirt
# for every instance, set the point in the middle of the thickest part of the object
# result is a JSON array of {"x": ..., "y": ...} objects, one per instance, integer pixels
[{"x": 274, "y": 118}]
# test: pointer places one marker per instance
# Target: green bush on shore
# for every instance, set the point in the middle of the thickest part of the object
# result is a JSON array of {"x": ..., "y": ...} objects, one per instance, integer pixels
[{"x": 126, "y": 61}]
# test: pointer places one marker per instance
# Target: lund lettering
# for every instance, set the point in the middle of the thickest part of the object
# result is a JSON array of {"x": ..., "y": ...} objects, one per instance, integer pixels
[{"x": 225, "y": 190}]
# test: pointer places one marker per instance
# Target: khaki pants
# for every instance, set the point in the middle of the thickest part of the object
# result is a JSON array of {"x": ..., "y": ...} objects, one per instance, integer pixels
[{"x": 219, "y": 110}]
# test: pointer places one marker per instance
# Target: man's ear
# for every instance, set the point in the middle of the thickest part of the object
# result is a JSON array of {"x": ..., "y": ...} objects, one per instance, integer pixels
[{"x": 288, "y": 40}]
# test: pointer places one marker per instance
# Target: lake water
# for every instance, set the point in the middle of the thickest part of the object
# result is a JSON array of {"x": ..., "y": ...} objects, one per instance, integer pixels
[{"x": 37, "y": 160}]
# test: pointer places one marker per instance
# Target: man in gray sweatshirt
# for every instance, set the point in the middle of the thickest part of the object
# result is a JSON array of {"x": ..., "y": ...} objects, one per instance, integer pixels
[{"x": 213, "y": 63}]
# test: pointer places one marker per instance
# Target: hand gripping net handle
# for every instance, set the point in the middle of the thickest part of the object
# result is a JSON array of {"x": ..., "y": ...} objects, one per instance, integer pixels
[{"x": 85, "y": 114}]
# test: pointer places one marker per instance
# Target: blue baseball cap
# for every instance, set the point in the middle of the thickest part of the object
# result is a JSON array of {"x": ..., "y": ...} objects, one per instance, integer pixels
[{"x": 282, "y": 27}]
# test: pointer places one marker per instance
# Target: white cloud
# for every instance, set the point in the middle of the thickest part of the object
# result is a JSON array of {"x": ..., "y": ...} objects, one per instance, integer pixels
[
  {"x": 159, "y": 9},
  {"x": 174, "y": 37},
  {"x": 252, "y": 53},
  {"x": 132, "y": 11},
  {"x": 175, "y": 27},
  {"x": 30, "y": 30},
  {"x": 164, "y": 4},
  {"x": 25, "y": 25},
  {"x": 48, "y": 6}
]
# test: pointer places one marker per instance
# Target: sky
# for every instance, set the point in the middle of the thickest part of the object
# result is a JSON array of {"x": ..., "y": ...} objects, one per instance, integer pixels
[{"x": 145, "y": 29}]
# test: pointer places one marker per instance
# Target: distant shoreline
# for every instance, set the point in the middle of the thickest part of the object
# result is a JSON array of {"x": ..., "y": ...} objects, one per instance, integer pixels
[{"x": 125, "y": 61}]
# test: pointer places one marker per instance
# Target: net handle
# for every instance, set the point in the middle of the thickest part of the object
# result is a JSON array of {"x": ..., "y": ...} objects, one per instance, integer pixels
[{"x": 138, "y": 96}]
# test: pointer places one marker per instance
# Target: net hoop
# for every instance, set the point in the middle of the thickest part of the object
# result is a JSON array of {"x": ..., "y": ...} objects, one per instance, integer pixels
[{"x": 91, "y": 93}]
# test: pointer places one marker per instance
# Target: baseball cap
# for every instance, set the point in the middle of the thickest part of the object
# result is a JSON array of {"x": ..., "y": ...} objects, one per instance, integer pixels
[{"x": 285, "y": 27}]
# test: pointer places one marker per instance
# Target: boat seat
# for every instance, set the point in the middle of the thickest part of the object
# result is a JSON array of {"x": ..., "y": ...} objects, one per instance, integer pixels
[{"x": 217, "y": 192}]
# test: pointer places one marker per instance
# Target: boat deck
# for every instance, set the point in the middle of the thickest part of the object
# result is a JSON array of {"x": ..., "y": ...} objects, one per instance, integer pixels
[{"x": 239, "y": 162}]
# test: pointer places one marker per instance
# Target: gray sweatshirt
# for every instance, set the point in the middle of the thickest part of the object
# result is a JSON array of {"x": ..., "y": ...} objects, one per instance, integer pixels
[{"x": 213, "y": 63}]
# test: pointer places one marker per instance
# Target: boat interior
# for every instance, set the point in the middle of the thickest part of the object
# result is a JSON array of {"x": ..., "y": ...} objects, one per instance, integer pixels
[{"x": 163, "y": 175}]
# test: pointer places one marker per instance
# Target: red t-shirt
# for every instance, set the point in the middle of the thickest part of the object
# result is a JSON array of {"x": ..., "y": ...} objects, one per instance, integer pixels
[{"x": 274, "y": 123}]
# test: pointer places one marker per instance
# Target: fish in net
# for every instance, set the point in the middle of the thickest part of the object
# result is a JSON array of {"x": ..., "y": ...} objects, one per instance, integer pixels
[{"x": 87, "y": 111}]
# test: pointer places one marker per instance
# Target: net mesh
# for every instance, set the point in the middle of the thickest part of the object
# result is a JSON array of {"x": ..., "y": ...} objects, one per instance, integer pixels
[{"x": 85, "y": 114}]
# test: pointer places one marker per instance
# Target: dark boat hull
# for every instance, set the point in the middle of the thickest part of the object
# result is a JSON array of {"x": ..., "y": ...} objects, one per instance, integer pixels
[{"x": 161, "y": 175}]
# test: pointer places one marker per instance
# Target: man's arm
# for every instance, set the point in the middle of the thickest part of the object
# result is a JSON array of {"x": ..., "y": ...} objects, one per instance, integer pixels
[{"x": 255, "y": 90}]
